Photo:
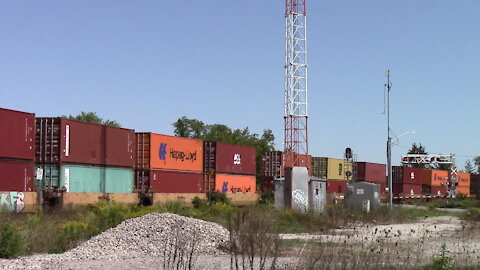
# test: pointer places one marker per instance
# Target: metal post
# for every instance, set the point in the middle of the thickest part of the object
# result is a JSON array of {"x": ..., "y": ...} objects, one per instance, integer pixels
[{"x": 389, "y": 144}]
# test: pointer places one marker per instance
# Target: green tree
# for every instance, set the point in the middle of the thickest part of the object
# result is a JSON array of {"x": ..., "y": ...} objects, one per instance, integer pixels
[
  {"x": 92, "y": 117},
  {"x": 195, "y": 129},
  {"x": 469, "y": 167}
]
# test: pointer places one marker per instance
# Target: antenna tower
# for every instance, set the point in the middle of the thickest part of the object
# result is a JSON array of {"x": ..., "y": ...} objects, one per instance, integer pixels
[{"x": 296, "y": 109}]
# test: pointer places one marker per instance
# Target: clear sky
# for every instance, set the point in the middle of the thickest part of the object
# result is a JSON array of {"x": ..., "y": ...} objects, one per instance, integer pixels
[{"x": 147, "y": 63}]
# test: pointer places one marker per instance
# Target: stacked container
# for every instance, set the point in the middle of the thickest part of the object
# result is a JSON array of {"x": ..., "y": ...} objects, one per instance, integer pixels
[
  {"x": 406, "y": 181},
  {"x": 229, "y": 168},
  {"x": 273, "y": 166},
  {"x": 372, "y": 173},
  {"x": 168, "y": 164},
  {"x": 75, "y": 156},
  {"x": 463, "y": 180},
  {"x": 434, "y": 182},
  {"x": 475, "y": 185},
  {"x": 336, "y": 175},
  {"x": 17, "y": 150}
]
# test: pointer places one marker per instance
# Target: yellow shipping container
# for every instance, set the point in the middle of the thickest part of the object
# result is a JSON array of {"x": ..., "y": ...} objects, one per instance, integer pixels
[{"x": 336, "y": 169}]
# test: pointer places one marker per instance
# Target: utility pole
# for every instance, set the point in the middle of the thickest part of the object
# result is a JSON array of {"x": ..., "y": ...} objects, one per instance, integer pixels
[{"x": 388, "y": 86}]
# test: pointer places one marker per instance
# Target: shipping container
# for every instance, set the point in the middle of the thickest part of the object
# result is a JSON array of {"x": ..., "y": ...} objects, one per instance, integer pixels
[
  {"x": 85, "y": 178},
  {"x": 336, "y": 169},
  {"x": 229, "y": 158},
  {"x": 232, "y": 183},
  {"x": 407, "y": 175},
  {"x": 475, "y": 185},
  {"x": 59, "y": 140},
  {"x": 273, "y": 163},
  {"x": 463, "y": 179},
  {"x": 439, "y": 191},
  {"x": 162, "y": 152},
  {"x": 16, "y": 175},
  {"x": 159, "y": 181},
  {"x": 370, "y": 172},
  {"x": 338, "y": 186},
  {"x": 319, "y": 167},
  {"x": 404, "y": 189},
  {"x": 267, "y": 184},
  {"x": 17, "y": 134},
  {"x": 463, "y": 190},
  {"x": 435, "y": 177}
]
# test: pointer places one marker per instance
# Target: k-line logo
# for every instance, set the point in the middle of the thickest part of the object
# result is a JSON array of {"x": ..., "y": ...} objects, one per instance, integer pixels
[
  {"x": 237, "y": 159},
  {"x": 175, "y": 154}
]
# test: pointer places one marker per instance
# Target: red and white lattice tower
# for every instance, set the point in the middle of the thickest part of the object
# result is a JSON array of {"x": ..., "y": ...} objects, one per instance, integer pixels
[{"x": 296, "y": 110}]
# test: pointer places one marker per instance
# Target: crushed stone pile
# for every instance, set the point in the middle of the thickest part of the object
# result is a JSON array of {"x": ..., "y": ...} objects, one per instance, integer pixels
[{"x": 157, "y": 235}]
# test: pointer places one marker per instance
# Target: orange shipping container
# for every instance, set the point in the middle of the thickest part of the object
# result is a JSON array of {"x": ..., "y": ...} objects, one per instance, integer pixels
[
  {"x": 463, "y": 179},
  {"x": 463, "y": 190},
  {"x": 435, "y": 177},
  {"x": 231, "y": 183},
  {"x": 156, "y": 151}
]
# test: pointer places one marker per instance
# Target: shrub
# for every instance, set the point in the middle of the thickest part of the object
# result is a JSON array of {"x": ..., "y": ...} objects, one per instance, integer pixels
[
  {"x": 173, "y": 206},
  {"x": 11, "y": 243},
  {"x": 266, "y": 198},
  {"x": 219, "y": 197},
  {"x": 199, "y": 203}
]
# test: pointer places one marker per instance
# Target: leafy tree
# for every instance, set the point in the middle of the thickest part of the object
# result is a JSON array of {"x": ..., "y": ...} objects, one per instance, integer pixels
[
  {"x": 195, "y": 129},
  {"x": 92, "y": 117},
  {"x": 469, "y": 167}
]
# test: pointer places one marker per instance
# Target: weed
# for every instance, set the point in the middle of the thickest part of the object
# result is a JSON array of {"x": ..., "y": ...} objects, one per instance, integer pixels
[{"x": 11, "y": 243}]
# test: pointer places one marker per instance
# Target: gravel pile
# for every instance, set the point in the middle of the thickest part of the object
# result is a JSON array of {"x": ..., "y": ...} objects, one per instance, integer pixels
[{"x": 153, "y": 235}]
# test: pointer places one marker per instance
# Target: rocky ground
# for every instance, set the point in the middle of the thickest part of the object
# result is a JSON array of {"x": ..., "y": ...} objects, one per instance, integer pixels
[{"x": 169, "y": 241}]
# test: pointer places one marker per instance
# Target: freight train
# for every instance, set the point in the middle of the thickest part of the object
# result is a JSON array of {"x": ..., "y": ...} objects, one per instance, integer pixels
[
  {"x": 57, "y": 160},
  {"x": 406, "y": 182}
]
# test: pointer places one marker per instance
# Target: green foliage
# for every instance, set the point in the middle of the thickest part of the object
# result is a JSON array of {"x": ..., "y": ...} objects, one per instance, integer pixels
[
  {"x": 266, "y": 198},
  {"x": 199, "y": 203},
  {"x": 11, "y": 243},
  {"x": 444, "y": 261},
  {"x": 173, "y": 206},
  {"x": 71, "y": 232},
  {"x": 218, "y": 197},
  {"x": 469, "y": 166},
  {"x": 92, "y": 117},
  {"x": 476, "y": 160}
]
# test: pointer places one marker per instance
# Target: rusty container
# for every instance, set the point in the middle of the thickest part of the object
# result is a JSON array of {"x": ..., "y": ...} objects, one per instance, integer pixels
[
  {"x": 438, "y": 191},
  {"x": 59, "y": 140},
  {"x": 464, "y": 182},
  {"x": 16, "y": 175},
  {"x": 159, "y": 181},
  {"x": 17, "y": 137},
  {"x": 338, "y": 186},
  {"x": 267, "y": 184},
  {"x": 234, "y": 183},
  {"x": 163, "y": 152},
  {"x": 371, "y": 172},
  {"x": 274, "y": 163},
  {"x": 229, "y": 158}
]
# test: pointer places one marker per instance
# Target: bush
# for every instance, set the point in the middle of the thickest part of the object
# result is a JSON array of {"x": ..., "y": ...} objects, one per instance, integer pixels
[
  {"x": 173, "y": 206},
  {"x": 219, "y": 197},
  {"x": 199, "y": 203},
  {"x": 266, "y": 198},
  {"x": 11, "y": 243}
]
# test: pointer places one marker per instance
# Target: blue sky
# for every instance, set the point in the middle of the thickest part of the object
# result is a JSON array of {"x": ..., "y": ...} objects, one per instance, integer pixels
[{"x": 147, "y": 63}]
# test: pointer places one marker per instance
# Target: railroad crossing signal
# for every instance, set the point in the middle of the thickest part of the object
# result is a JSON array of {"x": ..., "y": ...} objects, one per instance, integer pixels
[{"x": 427, "y": 159}]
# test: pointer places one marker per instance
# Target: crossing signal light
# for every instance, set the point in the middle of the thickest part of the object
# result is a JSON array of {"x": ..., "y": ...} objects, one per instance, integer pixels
[{"x": 405, "y": 159}]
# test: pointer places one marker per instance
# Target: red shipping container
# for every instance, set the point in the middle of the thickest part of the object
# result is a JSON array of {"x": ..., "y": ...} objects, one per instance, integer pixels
[
  {"x": 407, "y": 175},
  {"x": 16, "y": 176},
  {"x": 61, "y": 140},
  {"x": 371, "y": 172},
  {"x": 337, "y": 186},
  {"x": 229, "y": 158},
  {"x": 168, "y": 181},
  {"x": 475, "y": 185},
  {"x": 17, "y": 134},
  {"x": 439, "y": 191},
  {"x": 407, "y": 189},
  {"x": 267, "y": 184}
]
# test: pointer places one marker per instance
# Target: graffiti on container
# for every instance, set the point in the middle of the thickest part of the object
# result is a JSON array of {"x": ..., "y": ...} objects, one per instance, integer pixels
[
  {"x": 176, "y": 154},
  {"x": 299, "y": 197},
  {"x": 234, "y": 189},
  {"x": 12, "y": 201}
]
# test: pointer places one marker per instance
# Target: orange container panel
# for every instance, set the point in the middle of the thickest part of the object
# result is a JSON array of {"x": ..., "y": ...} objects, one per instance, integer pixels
[
  {"x": 231, "y": 183},
  {"x": 435, "y": 177},
  {"x": 174, "y": 153},
  {"x": 463, "y": 190},
  {"x": 463, "y": 179}
]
